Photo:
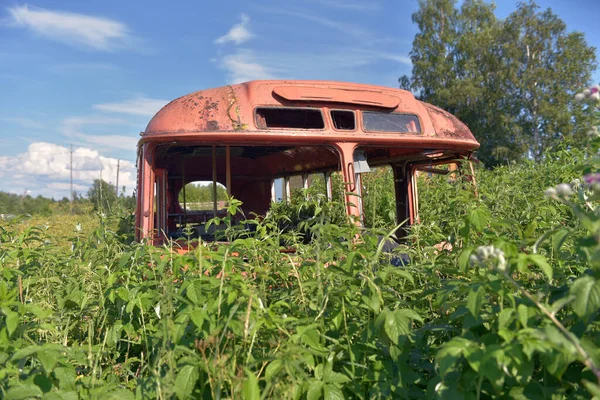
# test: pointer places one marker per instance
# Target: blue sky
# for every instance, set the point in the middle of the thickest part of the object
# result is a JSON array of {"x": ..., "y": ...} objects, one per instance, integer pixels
[{"x": 92, "y": 73}]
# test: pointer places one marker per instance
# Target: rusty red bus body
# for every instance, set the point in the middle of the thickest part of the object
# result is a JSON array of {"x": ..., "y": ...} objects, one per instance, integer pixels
[{"x": 245, "y": 136}]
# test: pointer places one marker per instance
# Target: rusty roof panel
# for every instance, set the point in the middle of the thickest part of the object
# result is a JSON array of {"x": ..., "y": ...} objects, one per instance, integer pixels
[
  {"x": 337, "y": 95},
  {"x": 447, "y": 125},
  {"x": 230, "y": 110}
]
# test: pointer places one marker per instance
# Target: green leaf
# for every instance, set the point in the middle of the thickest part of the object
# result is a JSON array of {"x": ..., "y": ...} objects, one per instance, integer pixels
[
  {"x": 504, "y": 318},
  {"x": 522, "y": 263},
  {"x": 192, "y": 292},
  {"x": 12, "y": 320},
  {"x": 559, "y": 238},
  {"x": 593, "y": 388},
  {"x": 479, "y": 218},
  {"x": 372, "y": 302},
  {"x": 333, "y": 392},
  {"x": 186, "y": 381},
  {"x": 475, "y": 299},
  {"x": 541, "y": 262},
  {"x": 251, "y": 389},
  {"x": 119, "y": 394},
  {"x": 449, "y": 354},
  {"x": 463, "y": 260},
  {"x": 314, "y": 390},
  {"x": 397, "y": 323},
  {"x": 66, "y": 377},
  {"x": 587, "y": 296},
  {"x": 23, "y": 391},
  {"x": 197, "y": 316},
  {"x": 524, "y": 314},
  {"x": 311, "y": 338},
  {"x": 560, "y": 341},
  {"x": 43, "y": 382},
  {"x": 60, "y": 396},
  {"x": 48, "y": 358},
  {"x": 336, "y": 377},
  {"x": 408, "y": 313},
  {"x": 273, "y": 369}
]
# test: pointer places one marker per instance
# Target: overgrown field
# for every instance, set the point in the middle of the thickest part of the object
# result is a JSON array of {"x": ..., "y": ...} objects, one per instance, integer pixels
[{"x": 511, "y": 311}]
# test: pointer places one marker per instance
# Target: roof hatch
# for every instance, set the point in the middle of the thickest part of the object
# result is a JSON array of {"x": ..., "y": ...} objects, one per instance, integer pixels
[{"x": 337, "y": 95}]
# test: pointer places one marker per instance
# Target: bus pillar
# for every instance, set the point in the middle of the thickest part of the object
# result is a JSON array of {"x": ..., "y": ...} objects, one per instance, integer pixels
[
  {"x": 273, "y": 191},
  {"x": 214, "y": 180},
  {"x": 286, "y": 189},
  {"x": 328, "y": 185},
  {"x": 351, "y": 196},
  {"x": 228, "y": 170},
  {"x": 147, "y": 192}
]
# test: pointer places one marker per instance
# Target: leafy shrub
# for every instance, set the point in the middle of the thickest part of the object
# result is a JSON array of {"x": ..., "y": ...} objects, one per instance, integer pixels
[{"x": 510, "y": 311}]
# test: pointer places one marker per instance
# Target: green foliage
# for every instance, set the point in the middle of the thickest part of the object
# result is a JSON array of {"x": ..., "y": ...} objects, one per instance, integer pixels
[
  {"x": 511, "y": 81},
  {"x": 334, "y": 319},
  {"x": 202, "y": 193},
  {"x": 15, "y": 204},
  {"x": 103, "y": 196}
]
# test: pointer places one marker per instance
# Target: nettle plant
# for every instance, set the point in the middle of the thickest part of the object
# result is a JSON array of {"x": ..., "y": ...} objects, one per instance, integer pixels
[{"x": 529, "y": 311}]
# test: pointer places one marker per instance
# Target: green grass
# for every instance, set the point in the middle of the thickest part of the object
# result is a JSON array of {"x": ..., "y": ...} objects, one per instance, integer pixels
[{"x": 85, "y": 313}]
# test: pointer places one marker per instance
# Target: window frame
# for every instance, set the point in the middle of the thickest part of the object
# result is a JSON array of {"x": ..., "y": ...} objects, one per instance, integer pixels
[
  {"x": 354, "y": 113},
  {"x": 363, "y": 126},
  {"x": 319, "y": 109}
]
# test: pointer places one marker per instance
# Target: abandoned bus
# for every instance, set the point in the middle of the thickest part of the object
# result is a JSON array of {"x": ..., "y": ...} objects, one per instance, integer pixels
[{"x": 253, "y": 136}]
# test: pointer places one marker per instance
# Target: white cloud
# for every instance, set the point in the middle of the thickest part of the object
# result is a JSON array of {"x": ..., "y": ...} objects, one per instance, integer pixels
[
  {"x": 75, "y": 127},
  {"x": 360, "y": 55},
  {"x": 324, "y": 63},
  {"x": 242, "y": 66},
  {"x": 24, "y": 122},
  {"x": 121, "y": 142},
  {"x": 74, "y": 29},
  {"x": 238, "y": 33},
  {"x": 45, "y": 169},
  {"x": 137, "y": 106},
  {"x": 66, "y": 186},
  {"x": 347, "y": 29}
]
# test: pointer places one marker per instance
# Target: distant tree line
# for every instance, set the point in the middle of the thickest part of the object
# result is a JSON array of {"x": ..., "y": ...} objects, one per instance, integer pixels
[
  {"x": 202, "y": 193},
  {"x": 512, "y": 80},
  {"x": 101, "y": 197},
  {"x": 15, "y": 204}
]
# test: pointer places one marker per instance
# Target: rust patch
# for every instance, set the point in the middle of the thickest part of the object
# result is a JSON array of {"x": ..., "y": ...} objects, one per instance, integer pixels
[
  {"x": 233, "y": 104},
  {"x": 211, "y": 106},
  {"x": 212, "y": 125},
  {"x": 207, "y": 112},
  {"x": 447, "y": 125}
]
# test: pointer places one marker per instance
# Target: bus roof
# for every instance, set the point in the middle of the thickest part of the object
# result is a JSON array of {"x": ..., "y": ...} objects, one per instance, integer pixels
[{"x": 231, "y": 110}]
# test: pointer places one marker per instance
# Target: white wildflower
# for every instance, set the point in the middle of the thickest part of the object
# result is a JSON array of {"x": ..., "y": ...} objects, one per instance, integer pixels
[
  {"x": 492, "y": 257},
  {"x": 157, "y": 310},
  {"x": 550, "y": 193},
  {"x": 586, "y": 92},
  {"x": 564, "y": 190},
  {"x": 579, "y": 97},
  {"x": 595, "y": 96}
]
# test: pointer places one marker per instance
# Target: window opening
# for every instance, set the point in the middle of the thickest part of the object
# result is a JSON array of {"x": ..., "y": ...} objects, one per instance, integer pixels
[
  {"x": 386, "y": 122},
  {"x": 292, "y": 118},
  {"x": 343, "y": 119},
  {"x": 199, "y": 196}
]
